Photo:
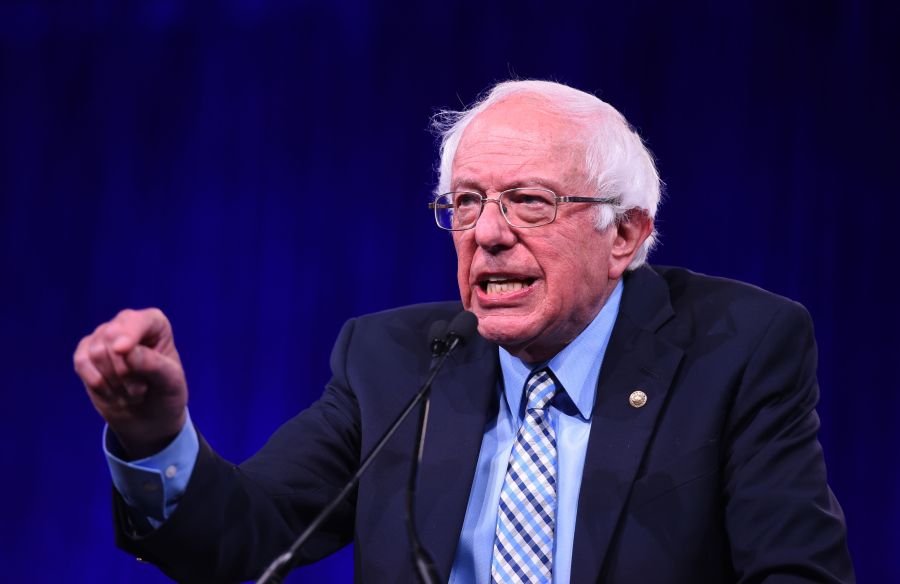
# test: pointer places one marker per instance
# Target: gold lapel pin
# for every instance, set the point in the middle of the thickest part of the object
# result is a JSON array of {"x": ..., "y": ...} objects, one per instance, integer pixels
[{"x": 637, "y": 399}]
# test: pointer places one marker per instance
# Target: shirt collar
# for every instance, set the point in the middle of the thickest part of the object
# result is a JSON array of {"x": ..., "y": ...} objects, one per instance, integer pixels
[{"x": 577, "y": 366}]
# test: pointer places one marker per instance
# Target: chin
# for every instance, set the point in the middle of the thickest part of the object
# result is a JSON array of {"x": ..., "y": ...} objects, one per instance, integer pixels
[{"x": 507, "y": 331}]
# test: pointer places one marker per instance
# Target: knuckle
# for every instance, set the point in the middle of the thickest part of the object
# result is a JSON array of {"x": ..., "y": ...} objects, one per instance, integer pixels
[
  {"x": 93, "y": 381},
  {"x": 157, "y": 314},
  {"x": 110, "y": 331},
  {"x": 96, "y": 350},
  {"x": 80, "y": 361},
  {"x": 125, "y": 314}
]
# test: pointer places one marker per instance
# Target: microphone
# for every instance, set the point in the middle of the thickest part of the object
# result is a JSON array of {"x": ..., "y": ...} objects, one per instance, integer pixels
[
  {"x": 436, "y": 334},
  {"x": 441, "y": 335},
  {"x": 458, "y": 332},
  {"x": 444, "y": 339},
  {"x": 461, "y": 329}
]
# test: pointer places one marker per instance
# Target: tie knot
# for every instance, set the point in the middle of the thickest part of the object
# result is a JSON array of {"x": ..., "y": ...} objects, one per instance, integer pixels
[{"x": 539, "y": 389}]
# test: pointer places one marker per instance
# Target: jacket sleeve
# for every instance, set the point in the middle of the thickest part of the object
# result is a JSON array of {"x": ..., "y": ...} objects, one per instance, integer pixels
[
  {"x": 784, "y": 523},
  {"x": 233, "y": 520}
]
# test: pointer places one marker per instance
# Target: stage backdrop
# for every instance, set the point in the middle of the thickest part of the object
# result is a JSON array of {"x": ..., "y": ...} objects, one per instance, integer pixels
[{"x": 259, "y": 170}]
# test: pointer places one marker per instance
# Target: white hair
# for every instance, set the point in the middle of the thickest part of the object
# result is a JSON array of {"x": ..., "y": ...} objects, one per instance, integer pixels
[{"x": 617, "y": 163}]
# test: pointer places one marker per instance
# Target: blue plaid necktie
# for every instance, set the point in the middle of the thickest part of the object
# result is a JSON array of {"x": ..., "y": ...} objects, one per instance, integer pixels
[{"x": 526, "y": 519}]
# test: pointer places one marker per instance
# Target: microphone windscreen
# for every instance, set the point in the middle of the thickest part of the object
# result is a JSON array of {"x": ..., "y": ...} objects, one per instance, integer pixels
[
  {"x": 437, "y": 330},
  {"x": 463, "y": 326}
]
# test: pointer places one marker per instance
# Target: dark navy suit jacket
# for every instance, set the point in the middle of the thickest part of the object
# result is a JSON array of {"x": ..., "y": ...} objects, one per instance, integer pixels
[{"x": 718, "y": 478}]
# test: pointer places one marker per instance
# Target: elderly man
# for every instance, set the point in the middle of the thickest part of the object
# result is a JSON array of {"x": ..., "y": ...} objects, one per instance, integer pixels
[{"x": 613, "y": 422}]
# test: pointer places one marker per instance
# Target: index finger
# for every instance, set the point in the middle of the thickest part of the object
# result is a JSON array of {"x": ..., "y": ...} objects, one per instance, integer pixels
[{"x": 139, "y": 327}]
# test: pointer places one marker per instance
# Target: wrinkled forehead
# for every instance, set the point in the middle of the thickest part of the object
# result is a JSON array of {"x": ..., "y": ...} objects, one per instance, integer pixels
[{"x": 518, "y": 138}]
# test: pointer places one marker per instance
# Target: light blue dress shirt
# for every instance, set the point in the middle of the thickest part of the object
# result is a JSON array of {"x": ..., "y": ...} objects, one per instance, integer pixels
[
  {"x": 154, "y": 485},
  {"x": 577, "y": 367}
]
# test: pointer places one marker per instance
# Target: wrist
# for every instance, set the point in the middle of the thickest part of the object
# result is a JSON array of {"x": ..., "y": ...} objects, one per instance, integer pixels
[{"x": 138, "y": 443}]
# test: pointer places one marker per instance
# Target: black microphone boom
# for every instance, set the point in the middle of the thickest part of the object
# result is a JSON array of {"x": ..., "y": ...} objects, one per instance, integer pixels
[{"x": 461, "y": 328}]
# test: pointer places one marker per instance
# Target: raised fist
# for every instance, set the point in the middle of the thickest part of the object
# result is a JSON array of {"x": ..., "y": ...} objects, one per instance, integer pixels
[{"x": 134, "y": 378}]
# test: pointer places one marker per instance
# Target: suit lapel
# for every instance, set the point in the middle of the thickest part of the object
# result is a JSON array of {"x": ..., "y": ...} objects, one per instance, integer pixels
[
  {"x": 463, "y": 399},
  {"x": 636, "y": 359}
]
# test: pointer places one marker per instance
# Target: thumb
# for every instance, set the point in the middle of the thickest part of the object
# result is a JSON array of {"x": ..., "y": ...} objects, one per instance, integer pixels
[{"x": 156, "y": 368}]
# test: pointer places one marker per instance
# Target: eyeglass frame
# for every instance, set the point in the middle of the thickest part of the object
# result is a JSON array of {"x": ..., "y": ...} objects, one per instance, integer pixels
[{"x": 484, "y": 199}]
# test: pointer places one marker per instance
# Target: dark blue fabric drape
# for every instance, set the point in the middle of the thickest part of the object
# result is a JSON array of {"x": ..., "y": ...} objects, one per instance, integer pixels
[{"x": 260, "y": 170}]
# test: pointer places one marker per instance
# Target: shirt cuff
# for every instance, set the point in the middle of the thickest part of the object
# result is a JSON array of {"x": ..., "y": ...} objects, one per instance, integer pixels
[{"x": 153, "y": 486}]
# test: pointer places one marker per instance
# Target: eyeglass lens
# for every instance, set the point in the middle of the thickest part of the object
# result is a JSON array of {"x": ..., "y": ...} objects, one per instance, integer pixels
[{"x": 522, "y": 208}]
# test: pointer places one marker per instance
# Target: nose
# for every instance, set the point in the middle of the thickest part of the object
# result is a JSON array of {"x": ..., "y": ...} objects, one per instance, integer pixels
[{"x": 492, "y": 231}]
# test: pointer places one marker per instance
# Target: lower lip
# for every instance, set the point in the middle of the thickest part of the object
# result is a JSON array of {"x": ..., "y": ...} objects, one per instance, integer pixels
[{"x": 505, "y": 298}]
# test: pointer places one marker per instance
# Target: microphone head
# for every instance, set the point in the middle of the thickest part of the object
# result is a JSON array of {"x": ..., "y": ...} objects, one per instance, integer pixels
[
  {"x": 463, "y": 326},
  {"x": 436, "y": 333}
]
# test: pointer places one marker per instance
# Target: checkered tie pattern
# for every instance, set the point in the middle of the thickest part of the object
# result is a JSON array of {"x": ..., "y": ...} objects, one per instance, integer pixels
[{"x": 526, "y": 519}]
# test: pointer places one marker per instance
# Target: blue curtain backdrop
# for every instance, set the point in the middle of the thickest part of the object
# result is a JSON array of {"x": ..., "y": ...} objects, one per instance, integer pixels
[{"x": 259, "y": 170}]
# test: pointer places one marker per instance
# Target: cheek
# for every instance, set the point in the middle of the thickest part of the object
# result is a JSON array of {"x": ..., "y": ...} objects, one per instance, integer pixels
[
  {"x": 565, "y": 283},
  {"x": 463, "y": 265},
  {"x": 465, "y": 292},
  {"x": 580, "y": 274}
]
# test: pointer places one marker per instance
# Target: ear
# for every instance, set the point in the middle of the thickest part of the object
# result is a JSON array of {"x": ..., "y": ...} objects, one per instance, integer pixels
[{"x": 631, "y": 232}]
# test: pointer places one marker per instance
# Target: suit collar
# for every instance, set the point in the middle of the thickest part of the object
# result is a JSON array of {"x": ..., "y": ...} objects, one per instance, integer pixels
[
  {"x": 646, "y": 299},
  {"x": 576, "y": 366}
]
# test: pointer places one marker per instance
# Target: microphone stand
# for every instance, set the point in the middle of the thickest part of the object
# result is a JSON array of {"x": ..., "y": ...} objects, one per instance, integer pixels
[
  {"x": 278, "y": 569},
  {"x": 422, "y": 559}
]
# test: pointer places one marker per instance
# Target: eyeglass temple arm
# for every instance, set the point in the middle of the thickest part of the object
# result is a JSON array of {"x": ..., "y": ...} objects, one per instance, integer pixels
[{"x": 601, "y": 200}]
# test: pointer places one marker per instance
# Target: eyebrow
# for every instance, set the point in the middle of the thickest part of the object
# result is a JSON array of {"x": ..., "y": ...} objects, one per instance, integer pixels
[{"x": 469, "y": 184}]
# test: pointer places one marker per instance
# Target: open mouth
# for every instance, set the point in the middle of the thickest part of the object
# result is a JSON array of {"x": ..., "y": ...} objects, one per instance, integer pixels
[{"x": 494, "y": 285}]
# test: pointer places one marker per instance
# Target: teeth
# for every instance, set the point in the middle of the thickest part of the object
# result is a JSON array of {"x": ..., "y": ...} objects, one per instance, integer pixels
[{"x": 501, "y": 287}]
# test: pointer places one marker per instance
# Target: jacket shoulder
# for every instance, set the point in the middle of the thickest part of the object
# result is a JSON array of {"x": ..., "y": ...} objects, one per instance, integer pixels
[
  {"x": 687, "y": 288},
  {"x": 705, "y": 304},
  {"x": 412, "y": 316},
  {"x": 403, "y": 327}
]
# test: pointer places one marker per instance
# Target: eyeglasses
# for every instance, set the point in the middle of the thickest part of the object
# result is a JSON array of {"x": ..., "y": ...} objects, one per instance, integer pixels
[{"x": 521, "y": 207}]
